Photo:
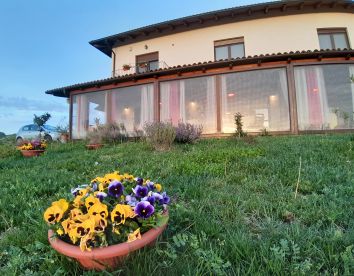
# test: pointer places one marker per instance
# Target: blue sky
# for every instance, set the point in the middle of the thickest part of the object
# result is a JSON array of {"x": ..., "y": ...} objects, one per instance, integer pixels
[{"x": 44, "y": 45}]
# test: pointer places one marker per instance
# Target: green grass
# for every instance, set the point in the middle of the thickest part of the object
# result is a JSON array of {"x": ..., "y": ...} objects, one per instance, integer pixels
[{"x": 233, "y": 211}]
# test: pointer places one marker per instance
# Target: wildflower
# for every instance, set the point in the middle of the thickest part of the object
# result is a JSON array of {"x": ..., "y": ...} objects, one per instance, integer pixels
[
  {"x": 115, "y": 189},
  {"x": 134, "y": 236},
  {"x": 140, "y": 191},
  {"x": 144, "y": 209},
  {"x": 120, "y": 213}
]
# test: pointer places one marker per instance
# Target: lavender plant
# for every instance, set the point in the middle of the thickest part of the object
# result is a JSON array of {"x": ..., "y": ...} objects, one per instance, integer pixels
[
  {"x": 188, "y": 133},
  {"x": 160, "y": 135}
]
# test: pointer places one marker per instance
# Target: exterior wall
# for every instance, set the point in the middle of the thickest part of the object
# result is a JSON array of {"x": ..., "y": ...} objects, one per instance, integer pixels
[{"x": 261, "y": 36}]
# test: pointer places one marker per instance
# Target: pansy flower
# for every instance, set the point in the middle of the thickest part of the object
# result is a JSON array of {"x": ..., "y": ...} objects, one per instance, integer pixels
[
  {"x": 77, "y": 202},
  {"x": 90, "y": 201},
  {"x": 53, "y": 214},
  {"x": 86, "y": 242},
  {"x": 62, "y": 204},
  {"x": 134, "y": 236},
  {"x": 99, "y": 209},
  {"x": 115, "y": 189},
  {"x": 158, "y": 198},
  {"x": 158, "y": 187},
  {"x": 101, "y": 195},
  {"x": 81, "y": 230},
  {"x": 150, "y": 198},
  {"x": 139, "y": 181},
  {"x": 120, "y": 213},
  {"x": 144, "y": 209},
  {"x": 140, "y": 191},
  {"x": 75, "y": 212},
  {"x": 131, "y": 200},
  {"x": 150, "y": 185},
  {"x": 166, "y": 198}
]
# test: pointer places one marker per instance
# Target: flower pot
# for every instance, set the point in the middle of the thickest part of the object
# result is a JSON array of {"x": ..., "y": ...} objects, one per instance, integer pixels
[
  {"x": 94, "y": 146},
  {"x": 106, "y": 257},
  {"x": 126, "y": 68},
  {"x": 31, "y": 153}
]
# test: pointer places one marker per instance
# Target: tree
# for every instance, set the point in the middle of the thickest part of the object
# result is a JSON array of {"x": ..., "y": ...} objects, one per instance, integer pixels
[
  {"x": 40, "y": 121},
  {"x": 2, "y": 135}
]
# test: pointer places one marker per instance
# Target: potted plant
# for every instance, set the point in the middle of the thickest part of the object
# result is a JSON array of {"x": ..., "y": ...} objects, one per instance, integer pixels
[
  {"x": 105, "y": 221},
  {"x": 64, "y": 133},
  {"x": 33, "y": 148},
  {"x": 143, "y": 65},
  {"x": 126, "y": 67}
]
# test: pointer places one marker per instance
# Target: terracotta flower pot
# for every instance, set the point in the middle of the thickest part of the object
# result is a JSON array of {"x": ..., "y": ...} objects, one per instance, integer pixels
[
  {"x": 31, "y": 153},
  {"x": 94, "y": 146},
  {"x": 106, "y": 257}
]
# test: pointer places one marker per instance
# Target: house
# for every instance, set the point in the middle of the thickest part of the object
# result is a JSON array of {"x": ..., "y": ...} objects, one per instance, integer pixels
[{"x": 286, "y": 66}]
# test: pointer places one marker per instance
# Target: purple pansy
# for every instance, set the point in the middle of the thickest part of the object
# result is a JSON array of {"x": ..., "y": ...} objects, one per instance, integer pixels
[
  {"x": 131, "y": 200},
  {"x": 139, "y": 181},
  {"x": 166, "y": 198},
  {"x": 150, "y": 185},
  {"x": 144, "y": 209},
  {"x": 158, "y": 197},
  {"x": 94, "y": 186},
  {"x": 101, "y": 196},
  {"x": 115, "y": 188},
  {"x": 151, "y": 199},
  {"x": 140, "y": 191}
]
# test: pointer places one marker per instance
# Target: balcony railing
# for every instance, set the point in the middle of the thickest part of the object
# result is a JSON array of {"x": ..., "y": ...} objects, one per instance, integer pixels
[{"x": 143, "y": 68}]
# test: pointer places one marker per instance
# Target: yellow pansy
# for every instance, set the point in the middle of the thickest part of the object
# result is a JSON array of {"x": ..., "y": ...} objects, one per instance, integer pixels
[
  {"x": 82, "y": 229},
  {"x": 128, "y": 176},
  {"x": 62, "y": 204},
  {"x": 85, "y": 242},
  {"x": 83, "y": 192},
  {"x": 158, "y": 187},
  {"x": 68, "y": 224},
  {"x": 100, "y": 224},
  {"x": 102, "y": 186},
  {"x": 99, "y": 209},
  {"x": 113, "y": 176},
  {"x": 90, "y": 201},
  {"x": 77, "y": 202},
  {"x": 75, "y": 212},
  {"x": 134, "y": 236},
  {"x": 53, "y": 214},
  {"x": 121, "y": 212},
  {"x": 98, "y": 180}
]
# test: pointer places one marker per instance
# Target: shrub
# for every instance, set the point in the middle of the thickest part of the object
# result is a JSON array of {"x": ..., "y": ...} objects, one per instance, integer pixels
[
  {"x": 188, "y": 133},
  {"x": 160, "y": 135},
  {"x": 113, "y": 132},
  {"x": 94, "y": 137},
  {"x": 238, "y": 124}
]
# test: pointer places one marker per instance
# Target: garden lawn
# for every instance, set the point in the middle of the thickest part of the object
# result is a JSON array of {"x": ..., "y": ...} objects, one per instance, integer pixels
[{"x": 233, "y": 207}]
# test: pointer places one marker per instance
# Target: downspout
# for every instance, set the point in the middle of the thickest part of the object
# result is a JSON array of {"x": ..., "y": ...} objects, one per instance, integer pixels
[{"x": 114, "y": 63}]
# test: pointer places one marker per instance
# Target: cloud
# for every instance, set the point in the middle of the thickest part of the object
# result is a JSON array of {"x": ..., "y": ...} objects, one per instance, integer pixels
[{"x": 22, "y": 103}]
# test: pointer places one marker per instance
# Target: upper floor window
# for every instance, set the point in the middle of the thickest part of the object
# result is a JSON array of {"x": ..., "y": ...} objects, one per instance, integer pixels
[
  {"x": 147, "y": 62},
  {"x": 229, "y": 48},
  {"x": 333, "y": 38}
]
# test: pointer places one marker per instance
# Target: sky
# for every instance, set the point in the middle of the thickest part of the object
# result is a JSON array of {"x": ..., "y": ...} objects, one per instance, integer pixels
[{"x": 44, "y": 45}]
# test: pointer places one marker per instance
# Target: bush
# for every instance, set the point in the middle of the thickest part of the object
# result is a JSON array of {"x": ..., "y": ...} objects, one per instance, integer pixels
[
  {"x": 160, "y": 135},
  {"x": 188, "y": 133},
  {"x": 113, "y": 132},
  {"x": 239, "y": 125},
  {"x": 94, "y": 137}
]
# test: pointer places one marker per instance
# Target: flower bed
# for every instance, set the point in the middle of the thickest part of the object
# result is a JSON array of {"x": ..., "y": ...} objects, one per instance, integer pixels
[
  {"x": 113, "y": 209},
  {"x": 33, "y": 148}
]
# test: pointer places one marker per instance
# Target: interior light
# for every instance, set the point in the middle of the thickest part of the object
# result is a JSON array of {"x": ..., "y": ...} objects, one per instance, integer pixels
[
  {"x": 315, "y": 90},
  {"x": 231, "y": 94}
]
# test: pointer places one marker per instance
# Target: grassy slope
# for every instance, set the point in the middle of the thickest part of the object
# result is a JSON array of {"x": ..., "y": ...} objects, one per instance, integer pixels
[{"x": 232, "y": 201}]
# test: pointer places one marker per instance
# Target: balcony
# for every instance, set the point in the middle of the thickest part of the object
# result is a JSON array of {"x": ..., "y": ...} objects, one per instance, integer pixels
[{"x": 139, "y": 69}]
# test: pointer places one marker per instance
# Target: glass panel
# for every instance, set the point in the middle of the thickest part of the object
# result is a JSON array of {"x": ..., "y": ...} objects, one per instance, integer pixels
[
  {"x": 261, "y": 96},
  {"x": 340, "y": 41},
  {"x": 325, "y": 41},
  {"x": 87, "y": 109},
  {"x": 154, "y": 65},
  {"x": 191, "y": 101},
  {"x": 237, "y": 50},
  {"x": 221, "y": 52},
  {"x": 133, "y": 106},
  {"x": 325, "y": 97}
]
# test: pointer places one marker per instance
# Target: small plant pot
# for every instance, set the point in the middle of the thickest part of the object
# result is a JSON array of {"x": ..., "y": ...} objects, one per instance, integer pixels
[
  {"x": 126, "y": 68},
  {"x": 94, "y": 146},
  {"x": 31, "y": 153},
  {"x": 64, "y": 138},
  {"x": 109, "y": 257}
]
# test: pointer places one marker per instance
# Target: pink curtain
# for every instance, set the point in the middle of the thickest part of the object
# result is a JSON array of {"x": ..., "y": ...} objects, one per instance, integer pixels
[
  {"x": 313, "y": 97},
  {"x": 174, "y": 102}
]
